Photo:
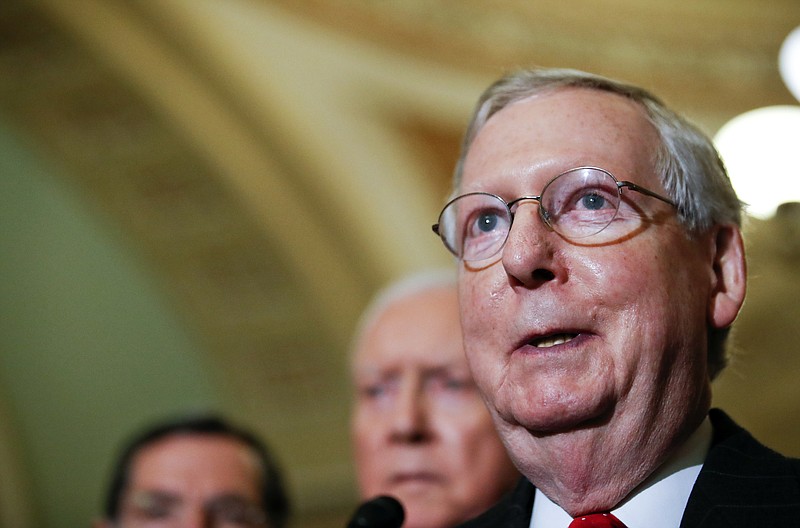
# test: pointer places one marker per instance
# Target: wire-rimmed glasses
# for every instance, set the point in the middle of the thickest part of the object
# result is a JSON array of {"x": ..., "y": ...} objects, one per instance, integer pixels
[
  {"x": 577, "y": 204},
  {"x": 161, "y": 509}
]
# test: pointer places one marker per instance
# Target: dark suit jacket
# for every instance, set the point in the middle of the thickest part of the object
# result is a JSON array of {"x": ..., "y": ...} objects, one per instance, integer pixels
[{"x": 743, "y": 484}]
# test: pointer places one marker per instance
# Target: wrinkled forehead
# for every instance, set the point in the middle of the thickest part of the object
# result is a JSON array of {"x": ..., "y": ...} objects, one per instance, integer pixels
[
  {"x": 561, "y": 129},
  {"x": 186, "y": 461},
  {"x": 412, "y": 355},
  {"x": 422, "y": 330}
]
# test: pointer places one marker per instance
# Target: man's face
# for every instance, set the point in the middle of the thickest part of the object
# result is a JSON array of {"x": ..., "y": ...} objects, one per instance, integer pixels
[
  {"x": 193, "y": 481},
  {"x": 421, "y": 432},
  {"x": 584, "y": 351}
]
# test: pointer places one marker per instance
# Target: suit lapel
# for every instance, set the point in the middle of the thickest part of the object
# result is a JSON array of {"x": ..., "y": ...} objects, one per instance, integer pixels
[
  {"x": 742, "y": 483},
  {"x": 512, "y": 511}
]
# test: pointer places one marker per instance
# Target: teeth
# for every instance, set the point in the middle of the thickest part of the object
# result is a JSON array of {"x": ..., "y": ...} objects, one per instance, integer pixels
[{"x": 550, "y": 341}]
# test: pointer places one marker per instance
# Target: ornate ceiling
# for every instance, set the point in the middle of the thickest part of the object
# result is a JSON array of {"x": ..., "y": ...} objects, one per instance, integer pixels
[{"x": 271, "y": 163}]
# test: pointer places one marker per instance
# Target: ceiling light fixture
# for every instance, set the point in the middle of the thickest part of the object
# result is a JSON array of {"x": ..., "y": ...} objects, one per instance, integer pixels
[{"x": 760, "y": 147}]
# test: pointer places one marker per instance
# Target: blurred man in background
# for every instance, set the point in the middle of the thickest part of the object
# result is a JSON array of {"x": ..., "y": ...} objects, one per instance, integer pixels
[
  {"x": 420, "y": 430},
  {"x": 195, "y": 472}
]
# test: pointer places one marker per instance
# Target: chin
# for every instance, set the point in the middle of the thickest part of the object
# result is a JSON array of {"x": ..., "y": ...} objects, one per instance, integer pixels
[
  {"x": 433, "y": 509},
  {"x": 557, "y": 415},
  {"x": 431, "y": 520}
]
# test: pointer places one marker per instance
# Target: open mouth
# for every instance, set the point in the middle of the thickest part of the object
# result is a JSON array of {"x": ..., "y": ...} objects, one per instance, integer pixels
[
  {"x": 552, "y": 340},
  {"x": 415, "y": 477}
]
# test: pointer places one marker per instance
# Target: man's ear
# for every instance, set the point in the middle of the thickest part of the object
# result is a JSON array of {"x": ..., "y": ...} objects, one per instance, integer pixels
[{"x": 729, "y": 276}]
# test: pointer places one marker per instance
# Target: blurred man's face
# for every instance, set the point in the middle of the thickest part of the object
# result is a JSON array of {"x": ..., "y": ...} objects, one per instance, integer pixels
[
  {"x": 420, "y": 429},
  {"x": 193, "y": 481}
]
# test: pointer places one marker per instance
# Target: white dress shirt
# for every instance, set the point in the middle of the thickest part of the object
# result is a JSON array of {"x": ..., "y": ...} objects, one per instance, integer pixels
[{"x": 658, "y": 503}]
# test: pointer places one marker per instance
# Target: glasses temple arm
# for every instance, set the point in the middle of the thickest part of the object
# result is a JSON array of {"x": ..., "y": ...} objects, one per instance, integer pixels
[{"x": 648, "y": 192}]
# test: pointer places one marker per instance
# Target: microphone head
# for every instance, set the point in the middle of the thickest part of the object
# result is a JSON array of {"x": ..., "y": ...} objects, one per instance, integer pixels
[{"x": 380, "y": 512}]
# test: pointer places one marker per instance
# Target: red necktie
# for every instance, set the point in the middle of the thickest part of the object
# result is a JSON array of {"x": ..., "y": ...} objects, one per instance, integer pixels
[{"x": 596, "y": 520}]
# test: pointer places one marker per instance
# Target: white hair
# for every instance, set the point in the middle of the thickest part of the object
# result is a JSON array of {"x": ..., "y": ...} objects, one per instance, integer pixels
[{"x": 403, "y": 288}]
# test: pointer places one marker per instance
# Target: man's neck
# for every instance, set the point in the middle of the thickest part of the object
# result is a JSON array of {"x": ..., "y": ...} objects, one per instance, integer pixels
[
  {"x": 667, "y": 490},
  {"x": 594, "y": 474}
]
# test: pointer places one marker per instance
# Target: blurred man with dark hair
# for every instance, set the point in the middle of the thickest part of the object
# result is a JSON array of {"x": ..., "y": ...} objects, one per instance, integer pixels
[{"x": 195, "y": 471}]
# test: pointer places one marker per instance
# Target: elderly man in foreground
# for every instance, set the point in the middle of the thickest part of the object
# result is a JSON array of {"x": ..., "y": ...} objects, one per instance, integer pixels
[{"x": 601, "y": 266}]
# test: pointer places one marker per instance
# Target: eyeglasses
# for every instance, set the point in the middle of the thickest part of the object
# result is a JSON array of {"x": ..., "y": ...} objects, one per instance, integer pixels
[
  {"x": 166, "y": 510},
  {"x": 577, "y": 204}
]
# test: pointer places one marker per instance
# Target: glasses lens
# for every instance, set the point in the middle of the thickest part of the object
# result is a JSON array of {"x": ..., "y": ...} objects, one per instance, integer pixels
[
  {"x": 236, "y": 512},
  {"x": 475, "y": 226},
  {"x": 581, "y": 202}
]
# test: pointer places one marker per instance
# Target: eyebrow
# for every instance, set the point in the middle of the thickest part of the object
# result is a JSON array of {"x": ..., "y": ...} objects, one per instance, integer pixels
[
  {"x": 149, "y": 494},
  {"x": 143, "y": 497},
  {"x": 450, "y": 368}
]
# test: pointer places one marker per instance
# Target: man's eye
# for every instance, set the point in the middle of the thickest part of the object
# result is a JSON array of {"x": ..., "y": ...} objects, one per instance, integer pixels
[
  {"x": 593, "y": 201},
  {"x": 451, "y": 383},
  {"x": 486, "y": 222},
  {"x": 156, "y": 511},
  {"x": 236, "y": 511},
  {"x": 373, "y": 390},
  {"x": 457, "y": 384},
  {"x": 144, "y": 506}
]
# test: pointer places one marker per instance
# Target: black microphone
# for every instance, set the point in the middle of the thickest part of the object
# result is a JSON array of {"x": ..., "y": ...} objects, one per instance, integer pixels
[{"x": 380, "y": 512}]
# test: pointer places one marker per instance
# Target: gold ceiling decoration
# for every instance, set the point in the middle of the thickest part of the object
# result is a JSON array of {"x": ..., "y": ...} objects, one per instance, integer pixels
[{"x": 707, "y": 58}]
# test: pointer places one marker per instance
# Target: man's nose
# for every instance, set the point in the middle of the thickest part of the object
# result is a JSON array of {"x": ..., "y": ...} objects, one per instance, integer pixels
[
  {"x": 198, "y": 518},
  {"x": 410, "y": 415},
  {"x": 528, "y": 255}
]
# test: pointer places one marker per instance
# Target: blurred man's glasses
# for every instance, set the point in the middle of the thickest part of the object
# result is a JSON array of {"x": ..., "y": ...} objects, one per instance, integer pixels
[
  {"x": 577, "y": 204},
  {"x": 165, "y": 510}
]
